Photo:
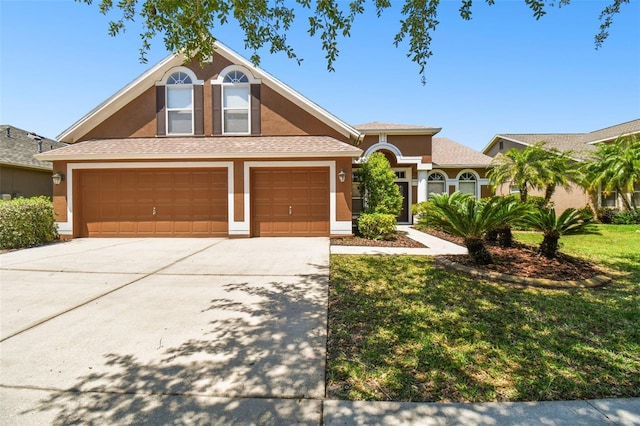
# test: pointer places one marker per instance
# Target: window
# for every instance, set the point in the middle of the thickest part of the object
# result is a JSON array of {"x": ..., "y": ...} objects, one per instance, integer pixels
[
  {"x": 436, "y": 184},
  {"x": 179, "y": 104},
  {"x": 235, "y": 105},
  {"x": 609, "y": 199},
  {"x": 467, "y": 183},
  {"x": 501, "y": 145},
  {"x": 636, "y": 195},
  {"x": 401, "y": 175}
]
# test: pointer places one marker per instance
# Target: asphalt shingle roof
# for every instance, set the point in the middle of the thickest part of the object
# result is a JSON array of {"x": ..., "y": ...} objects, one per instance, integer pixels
[
  {"x": 445, "y": 152},
  {"x": 205, "y": 147},
  {"x": 18, "y": 149},
  {"x": 580, "y": 143}
]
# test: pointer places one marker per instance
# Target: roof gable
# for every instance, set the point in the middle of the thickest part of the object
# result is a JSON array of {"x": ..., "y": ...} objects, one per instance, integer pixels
[{"x": 149, "y": 78}]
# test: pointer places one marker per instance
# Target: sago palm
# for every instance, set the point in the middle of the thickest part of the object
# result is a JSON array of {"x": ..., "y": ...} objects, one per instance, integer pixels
[
  {"x": 463, "y": 216},
  {"x": 570, "y": 222}
]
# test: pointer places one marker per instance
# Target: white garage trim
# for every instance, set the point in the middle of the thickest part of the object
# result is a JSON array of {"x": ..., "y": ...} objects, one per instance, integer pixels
[
  {"x": 335, "y": 227},
  {"x": 66, "y": 228}
]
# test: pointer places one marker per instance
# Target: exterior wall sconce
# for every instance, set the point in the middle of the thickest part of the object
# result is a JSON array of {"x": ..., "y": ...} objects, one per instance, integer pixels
[
  {"x": 57, "y": 177},
  {"x": 342, "y": 175}
]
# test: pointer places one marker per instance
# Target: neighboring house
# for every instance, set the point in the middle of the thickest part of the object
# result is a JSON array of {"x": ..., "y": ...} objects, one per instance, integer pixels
[
  {"x": 423, "y": 164},
  {"x": 21, "y": 175},
  {"x": 226, "y": 149},
  {"x": 582, "y": 145}
]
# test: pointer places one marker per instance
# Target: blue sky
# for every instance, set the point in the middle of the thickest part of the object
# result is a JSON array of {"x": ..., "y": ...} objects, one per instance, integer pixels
[{"x": 501, "y": 72}]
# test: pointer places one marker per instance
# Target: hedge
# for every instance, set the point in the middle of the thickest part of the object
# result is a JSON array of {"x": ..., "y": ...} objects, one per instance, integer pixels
[{"x": 26, "y": 222}]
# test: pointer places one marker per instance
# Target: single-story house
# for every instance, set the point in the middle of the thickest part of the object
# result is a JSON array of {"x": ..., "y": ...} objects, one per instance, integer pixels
[
  {"x": 226, "y": 149},
  {"x": 582, "y": 145},
  {"x": 423, "y": 164},
  {"x": 21, "y": 175}
]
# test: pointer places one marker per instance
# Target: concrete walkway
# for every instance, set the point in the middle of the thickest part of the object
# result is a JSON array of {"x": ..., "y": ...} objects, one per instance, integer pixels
[{"x": 434, "y": 246}]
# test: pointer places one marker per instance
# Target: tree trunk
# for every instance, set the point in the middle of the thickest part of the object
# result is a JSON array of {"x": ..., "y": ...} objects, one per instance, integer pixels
[
  {"x": 548, "y": 193},
  {"x": 523, "y": 194},
  {"x": 549, "y": 246},
  {"x": 492, "y": 236},
  {"x": 478, "y": 251},
  {"x": 505, "y": 237},
  {"x": 623, "y": 195}
]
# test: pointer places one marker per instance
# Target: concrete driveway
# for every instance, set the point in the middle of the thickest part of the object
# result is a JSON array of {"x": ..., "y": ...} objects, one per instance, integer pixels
[{"x": 164, "y": 331}]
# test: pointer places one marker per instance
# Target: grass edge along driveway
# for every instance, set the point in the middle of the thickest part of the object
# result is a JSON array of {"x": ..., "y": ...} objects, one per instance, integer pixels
[{"x": 401, "y": 329}]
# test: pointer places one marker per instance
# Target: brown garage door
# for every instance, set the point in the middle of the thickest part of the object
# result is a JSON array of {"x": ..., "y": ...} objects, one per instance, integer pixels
[
  {"x": 290, "y": 202},
  {"x": 153, "y": 203}
]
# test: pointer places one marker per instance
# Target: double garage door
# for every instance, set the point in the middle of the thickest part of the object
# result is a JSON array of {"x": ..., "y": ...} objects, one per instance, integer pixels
[{"x": 194, "y": 202}]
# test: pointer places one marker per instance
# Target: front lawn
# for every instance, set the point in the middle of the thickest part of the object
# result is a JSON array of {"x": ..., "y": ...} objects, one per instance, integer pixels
[{"x": 402, "y": 329}]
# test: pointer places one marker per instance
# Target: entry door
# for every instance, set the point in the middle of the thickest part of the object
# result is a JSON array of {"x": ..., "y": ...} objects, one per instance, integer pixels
[{"x": 404, "y": 191}]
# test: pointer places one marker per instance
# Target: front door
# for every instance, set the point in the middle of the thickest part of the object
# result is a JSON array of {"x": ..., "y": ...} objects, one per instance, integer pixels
[{"x": 404, "y": 191}]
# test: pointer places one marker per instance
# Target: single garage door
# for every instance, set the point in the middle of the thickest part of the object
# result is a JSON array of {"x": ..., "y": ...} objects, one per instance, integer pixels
[
  {"x": 153, "y": 203},
  {"x": 290, "y": 202}
]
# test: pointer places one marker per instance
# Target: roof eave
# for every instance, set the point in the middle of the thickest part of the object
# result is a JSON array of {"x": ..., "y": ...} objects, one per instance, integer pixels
[
  {"x": 408, "y": 131},
  {"x": 30, "y": 167},
  {"x": 226, "y": 156}
]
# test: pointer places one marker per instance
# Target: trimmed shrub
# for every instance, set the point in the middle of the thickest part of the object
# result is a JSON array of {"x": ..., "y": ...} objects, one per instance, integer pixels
[
  {"x": 421, "y": 211},
  {"x": 587, "y": 212},
  {"x": 606, "y": 215},
  {"x": 376, "y": 226},
  {"x": 631, "y": 217},
  {"x": 618, "y": 217},
  {"x": 26, "y": 222}
]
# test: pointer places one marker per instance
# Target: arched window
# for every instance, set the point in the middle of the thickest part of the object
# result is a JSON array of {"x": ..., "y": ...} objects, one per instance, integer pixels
[
  {"x": 179, "y": 104},
  {"x": 235, "y": 105},
  {"x": 467, "y": 183},
  {"x": 436, "y": 184}
]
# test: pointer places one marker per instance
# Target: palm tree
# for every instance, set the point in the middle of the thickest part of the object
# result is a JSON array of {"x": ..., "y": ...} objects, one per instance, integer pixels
[
  {"x": 615, "y": 167},
  {"x": 557, "y": 169},
  {"x": 521, "y": 168},
  {"x": 570, "y": 222},
  {"x": 463, "y": 216}
]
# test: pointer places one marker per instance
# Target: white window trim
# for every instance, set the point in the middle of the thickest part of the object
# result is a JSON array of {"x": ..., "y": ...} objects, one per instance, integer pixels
[
  {"x": 194, "y": 82},
  {"x": 475, "y": 174},
  {"x": 446, "y": 181},
  {"x": 225, "y": 109},
  {"x": 601, "y": 193},
  {"x": 220, "y": 82},
  {"x": 168, "y": 110}
]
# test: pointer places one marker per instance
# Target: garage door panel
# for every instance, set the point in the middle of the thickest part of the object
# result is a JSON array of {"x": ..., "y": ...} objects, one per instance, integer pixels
[
  {"x": 274, "y": 191},
  {"x": 187, "y": 203}
]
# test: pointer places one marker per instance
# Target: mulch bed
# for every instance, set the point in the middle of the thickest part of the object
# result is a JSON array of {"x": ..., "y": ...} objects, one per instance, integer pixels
[
  {"x": 398, "y": 240},
  {"x": 524, "y": 261},
  {"x": 520, "y": 260}
]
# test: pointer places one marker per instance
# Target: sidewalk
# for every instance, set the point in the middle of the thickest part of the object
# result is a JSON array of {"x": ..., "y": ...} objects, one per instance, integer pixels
[
  {"x": 434, "y": 246},
  {"x": 623, "y": 412}
]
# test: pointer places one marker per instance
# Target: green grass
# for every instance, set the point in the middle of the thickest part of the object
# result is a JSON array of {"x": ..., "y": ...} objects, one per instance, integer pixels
[{"x": 402, "y": 329}]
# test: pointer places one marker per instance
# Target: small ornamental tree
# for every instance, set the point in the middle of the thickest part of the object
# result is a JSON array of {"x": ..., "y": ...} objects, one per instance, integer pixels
[
  {"x": 377, "y": 184},
  {"x": 381, "y": 196}
]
